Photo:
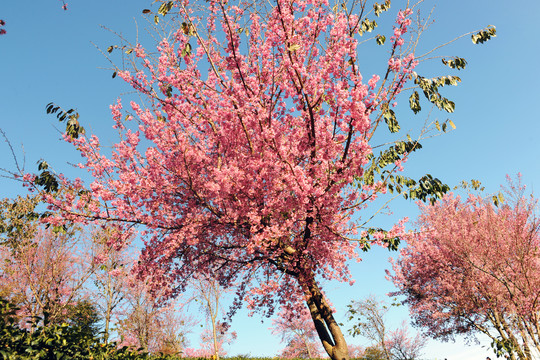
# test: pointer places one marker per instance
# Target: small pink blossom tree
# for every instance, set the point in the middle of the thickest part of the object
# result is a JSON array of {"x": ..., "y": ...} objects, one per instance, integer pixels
[
  {"x": 298, "y": 332},
  {"x": 473, "y": 267},
  {"x": 45, "y": 275},
  {"x": 254, "y": 149},
  {"x": 212, "y": 343},
  {"x": 404, "y": 346},
  {"x": 43, "y": 271},
  {"x": 147, "y": 320},
  {"x": 111, "y": 278}
]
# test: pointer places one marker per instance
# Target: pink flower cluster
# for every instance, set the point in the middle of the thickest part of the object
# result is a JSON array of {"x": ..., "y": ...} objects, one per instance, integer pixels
[
  {"x": 403, "y": 22},
  {"x": 473, "y": 266}
]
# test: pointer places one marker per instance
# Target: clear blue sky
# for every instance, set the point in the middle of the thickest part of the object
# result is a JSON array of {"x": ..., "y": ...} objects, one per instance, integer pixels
[{"x": 49, "y": 55}]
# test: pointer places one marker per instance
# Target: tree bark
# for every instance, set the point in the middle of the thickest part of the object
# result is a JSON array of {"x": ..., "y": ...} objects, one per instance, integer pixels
[
  {"x": 327, "y": 328},
  {"x": 214, "y": 336},
  {"x": 310, "y": 356}
]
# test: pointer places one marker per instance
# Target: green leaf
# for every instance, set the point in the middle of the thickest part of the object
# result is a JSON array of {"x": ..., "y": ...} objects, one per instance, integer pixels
[
  {"x": 110, "y": 49},
  {"x": 165, "y": 8},
  {"x": 188, "y": 29},
  {"x": 414, "y": 102},
  {"x": 379, "y": 8},
  {"x": 156, "y": 19},
  {"x": 449, "y": 106},
  {"x": 391, "y": 121},
  {"x": 185, "y": 28},
  {"x": 380, "y": 39},
  {"x": 484, "y": 35},
  {"x": 455, "y": 63},
  {"x": 430, "y": 88},
  {"x": 367, "y": 26},
  {"x": 42, "y": 165},
  {"x": 186, "y": 51}
]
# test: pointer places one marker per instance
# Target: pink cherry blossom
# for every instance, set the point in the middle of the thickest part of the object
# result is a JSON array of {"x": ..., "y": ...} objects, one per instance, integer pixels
[
  {"x": 248, "y": 171},
  {"x": 473, "y": 267}
]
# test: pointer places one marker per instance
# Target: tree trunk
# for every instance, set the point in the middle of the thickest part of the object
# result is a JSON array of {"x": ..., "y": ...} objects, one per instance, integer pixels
[
  {"x": 214, "y": 337},
  {"x": 310, "y": 356},
  {"x": 327, "y": 328},
  {"x": 107, "y": 325}
]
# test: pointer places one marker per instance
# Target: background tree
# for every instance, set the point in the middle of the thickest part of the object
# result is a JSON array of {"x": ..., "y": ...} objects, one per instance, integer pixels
[
  {"x": 18, "y": 220},
  {"x": 207, "y": 346},
  {"x": 209, "y": 294},
  {"x": 252, "y": 170},
  {"x": 85, "y": 317},
  {"x": 149, "y": 321},
  {"x": 299, "y": 335},
  {"x": 472, "y": 267},
  {"x": 111, "y": 278},
  {"x": 374, "y": 353},
  {"x": 356, "y": 351},
  {"x": 404, "y": 346},
  {"x": 370, "y": 322},
  {"x": 46, "y": 274},
  {"x": 55, "y": 341}
]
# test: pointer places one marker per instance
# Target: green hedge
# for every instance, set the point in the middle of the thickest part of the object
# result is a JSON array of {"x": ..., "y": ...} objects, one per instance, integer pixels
[
  {"x": 65, "y": 342},
  {"x": 56, "y": 342}
]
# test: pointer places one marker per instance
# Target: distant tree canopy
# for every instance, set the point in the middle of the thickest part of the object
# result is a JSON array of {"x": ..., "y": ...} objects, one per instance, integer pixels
[
  {"x": 85, "y": 317},
  {"x": 473, "y": 266}
]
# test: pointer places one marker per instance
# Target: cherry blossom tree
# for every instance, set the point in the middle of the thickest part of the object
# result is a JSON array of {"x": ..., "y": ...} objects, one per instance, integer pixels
[
  {"x": 42, "y": 270},
  {"x": 111, "y": 277},
  {"x": 148, "y": 321},
  {"x": 404, "y": 346},
  {"x": 298, "y": 332},
  {"x": 254, "y": 148},
  {"x": 46, "y": 275},
  {"x": 473, "y": 267},
  {"x": 212, "y": 344}
]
